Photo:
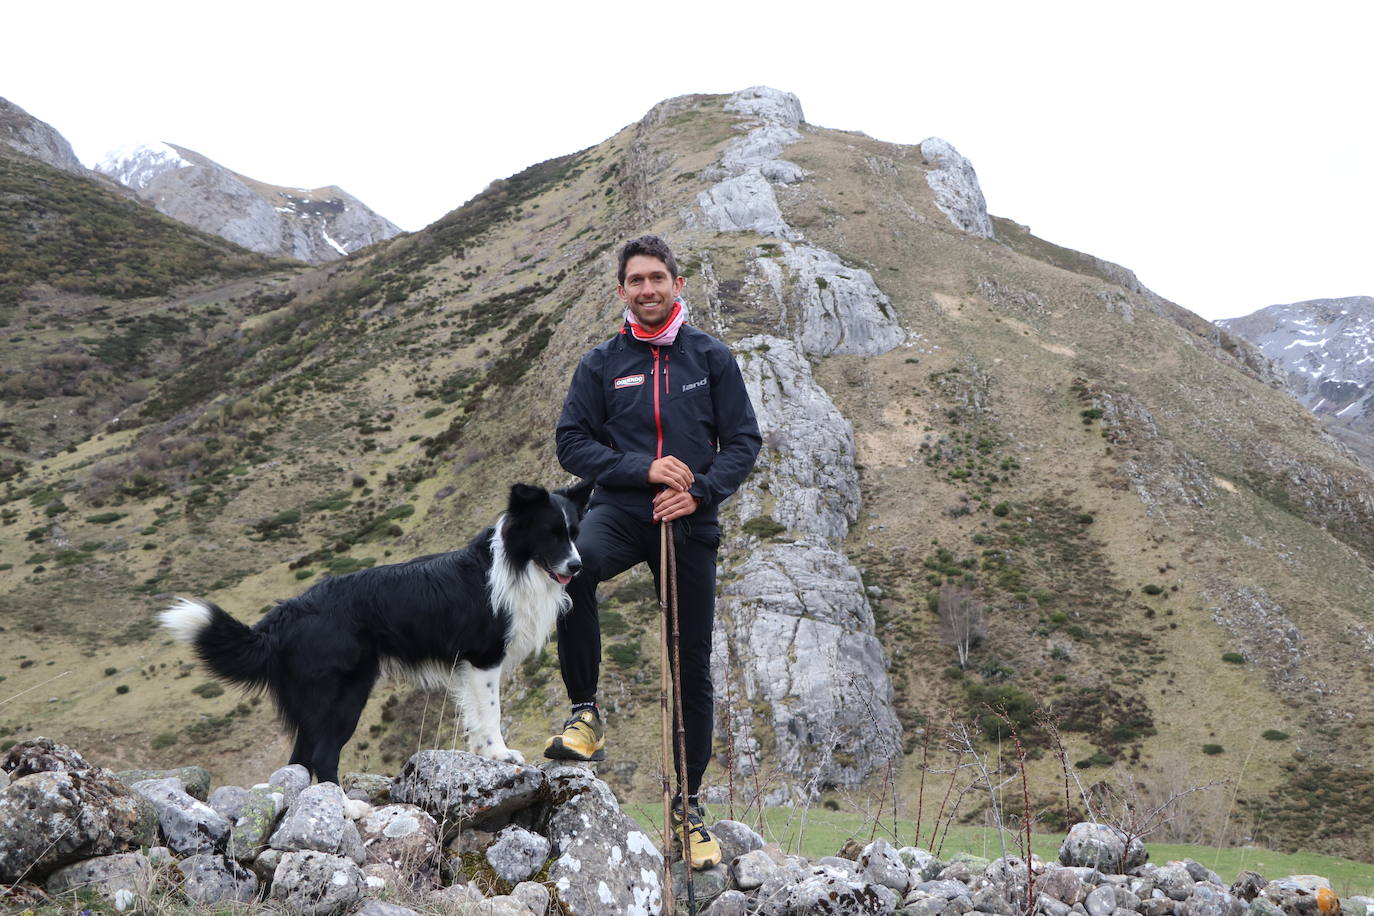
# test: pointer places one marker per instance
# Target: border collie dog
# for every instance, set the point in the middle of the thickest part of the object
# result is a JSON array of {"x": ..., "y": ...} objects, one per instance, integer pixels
[{"x": 454, "y": 620}]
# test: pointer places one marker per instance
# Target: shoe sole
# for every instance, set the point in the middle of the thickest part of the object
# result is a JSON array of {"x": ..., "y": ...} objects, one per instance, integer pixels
[{"x": 559, "y": 752}]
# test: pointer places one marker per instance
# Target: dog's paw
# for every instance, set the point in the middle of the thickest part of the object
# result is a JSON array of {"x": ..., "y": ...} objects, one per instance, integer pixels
[{"x": 497, "y": 750}]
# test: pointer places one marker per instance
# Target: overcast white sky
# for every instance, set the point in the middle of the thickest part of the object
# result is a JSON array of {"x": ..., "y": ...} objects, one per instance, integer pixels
[{"x": 1222, "y": 151}]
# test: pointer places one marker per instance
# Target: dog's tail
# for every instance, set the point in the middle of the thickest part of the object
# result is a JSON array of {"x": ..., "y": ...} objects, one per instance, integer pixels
[{"x": 230, "y": 649}]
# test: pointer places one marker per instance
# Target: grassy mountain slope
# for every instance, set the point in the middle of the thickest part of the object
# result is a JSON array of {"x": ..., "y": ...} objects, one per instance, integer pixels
[{"x": 1120, "y": 486}]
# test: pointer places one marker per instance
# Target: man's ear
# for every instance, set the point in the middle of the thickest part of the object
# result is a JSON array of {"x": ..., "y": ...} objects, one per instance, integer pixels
[
  {"x": 620, "y": 291},
  {"x": 678, "y": 284}
]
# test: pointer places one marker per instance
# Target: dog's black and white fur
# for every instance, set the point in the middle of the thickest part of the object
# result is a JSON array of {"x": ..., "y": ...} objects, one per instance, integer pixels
[{"x": 453, "y": 620}]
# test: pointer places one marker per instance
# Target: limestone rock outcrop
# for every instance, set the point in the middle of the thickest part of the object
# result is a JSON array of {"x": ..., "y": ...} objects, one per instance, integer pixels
[{"x": 955, "y": 184}]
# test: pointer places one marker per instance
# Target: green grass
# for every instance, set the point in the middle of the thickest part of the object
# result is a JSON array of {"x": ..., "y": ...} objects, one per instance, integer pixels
[{"x": 817, "y": 832}]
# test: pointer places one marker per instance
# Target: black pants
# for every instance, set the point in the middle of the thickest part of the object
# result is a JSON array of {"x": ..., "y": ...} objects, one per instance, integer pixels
[{"x": 610, "y": 542}]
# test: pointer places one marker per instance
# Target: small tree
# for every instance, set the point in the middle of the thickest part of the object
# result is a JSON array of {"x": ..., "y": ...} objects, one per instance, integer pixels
[{"x": 961, "y": 620}]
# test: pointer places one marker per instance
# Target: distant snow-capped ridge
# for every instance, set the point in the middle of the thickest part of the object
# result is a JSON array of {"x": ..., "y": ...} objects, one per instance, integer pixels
[
  {"x": 137, "y": 165},
  {"x": 1327, "y": 348},
  {"x": 309, "y": 224}
]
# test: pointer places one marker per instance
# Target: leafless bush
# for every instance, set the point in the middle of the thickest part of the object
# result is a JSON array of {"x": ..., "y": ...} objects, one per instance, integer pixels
[{"x": 961, "y": 620}]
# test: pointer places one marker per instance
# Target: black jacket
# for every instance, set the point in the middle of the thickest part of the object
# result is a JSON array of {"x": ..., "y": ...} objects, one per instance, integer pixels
[{"x": 630, "y": 403}]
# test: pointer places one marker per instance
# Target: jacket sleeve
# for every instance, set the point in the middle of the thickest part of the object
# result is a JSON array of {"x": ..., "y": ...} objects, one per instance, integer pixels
[
  {"x": 737, "y": 433},
  {"x": 580, "y": 440}
]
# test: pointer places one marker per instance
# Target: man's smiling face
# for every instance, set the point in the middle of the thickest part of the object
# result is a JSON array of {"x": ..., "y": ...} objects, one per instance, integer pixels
[{"x": 649, "y": 290}]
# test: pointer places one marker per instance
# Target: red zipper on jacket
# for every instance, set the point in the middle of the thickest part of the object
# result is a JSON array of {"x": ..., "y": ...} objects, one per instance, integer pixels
[{"x": 658, "y": 417}]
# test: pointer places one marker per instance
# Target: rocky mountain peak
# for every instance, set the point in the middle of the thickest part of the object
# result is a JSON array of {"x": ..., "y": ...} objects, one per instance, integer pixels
[
  {"x": 137, "y": 165},
  {"x": 32, "y": 137},
  {"x": 314, "y": 225},
  {"x": 1326, "y": 348}
]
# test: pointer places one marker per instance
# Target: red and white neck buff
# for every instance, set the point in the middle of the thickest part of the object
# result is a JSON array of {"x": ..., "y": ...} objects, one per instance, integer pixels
[{"x": 665, "y": 335}]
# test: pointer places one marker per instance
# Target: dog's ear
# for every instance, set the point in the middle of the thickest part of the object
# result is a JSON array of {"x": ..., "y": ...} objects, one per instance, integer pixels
[
  {"x": 523, "y": 496},
  {"x": 578, "y": 494}
]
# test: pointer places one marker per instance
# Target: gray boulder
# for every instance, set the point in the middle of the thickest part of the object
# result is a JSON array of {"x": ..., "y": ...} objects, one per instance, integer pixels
[
  {"x": 1063, "y": 885},
  {"x": 752, "y": 869},
  {"x": 464, "y": 790},
  {"x": 535, "y": 897},
  {"x": 1101, "y": 846},
  {"x": 1173, "y": 879},
  {"x": 1108, "y": 898},
  {"x": 605, "y": 863},
  {"x": 41, "y": 755},
  {"x": 880, "y": 863},
  {"x": 923, "y": 865},
  {"x": 1248, "y": 885},
  {"x": 381, "y": 908},
  {"x": 406, "y": 838},
  {"x": 314, "y": 883},
  {"x": 373, "y": 788},
  {"x": 945, "y": 889},
  {"x": 828, "y": 891},
  {"x": 517, "y": 854},
  {"x": 1199, "y": 872},
  {"x": 265, "y": 865},
  {"x": 317, "y": 821},
  {"x": 54, "y": 818},
  {"x": 228, "y": 801},
  {"x": 214, "y": 878},
  {"x": 1210, "y": 900},
  {"x": 1357, "y": 905},
  {"x": 252, "y": 826},
  {"x": 122, "y": 879},
  {"x": 729, "y": 903},
  {"x": 189, "y": 826},
  {"x": 195, "y": 781},
  {"x": 292, "y": 780},
  {"x": 502, "y": 905},
  {"x": 735, "y": 839}
]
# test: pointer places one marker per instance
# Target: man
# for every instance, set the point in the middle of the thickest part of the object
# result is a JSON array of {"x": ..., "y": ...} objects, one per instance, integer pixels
[{"x": 659, "y": 417}]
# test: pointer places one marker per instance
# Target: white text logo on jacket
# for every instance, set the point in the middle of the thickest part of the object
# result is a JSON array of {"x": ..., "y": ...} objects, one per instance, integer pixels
[
  {"x": 629, "y": 381},
  {"x": 697, "y": 384}
]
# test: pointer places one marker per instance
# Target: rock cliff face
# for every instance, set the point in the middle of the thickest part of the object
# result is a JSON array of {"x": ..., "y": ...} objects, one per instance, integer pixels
[
  {"x": 36, "y": 138},
  {"x": 1326, "y": 349},
  {"x": 799, "y": 632},
  {"x": 312, "y": 225}
]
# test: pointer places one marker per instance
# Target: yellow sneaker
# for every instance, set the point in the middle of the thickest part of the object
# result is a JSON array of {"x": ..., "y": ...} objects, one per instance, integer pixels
[
  {"x": 704, "y": 849},
  {"x": 583, "y": 738}
]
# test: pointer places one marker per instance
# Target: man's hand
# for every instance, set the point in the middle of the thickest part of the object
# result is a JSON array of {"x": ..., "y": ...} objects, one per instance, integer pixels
[
  {"x": 671, "y": 504},
  {"x": 670, "y": 472}
]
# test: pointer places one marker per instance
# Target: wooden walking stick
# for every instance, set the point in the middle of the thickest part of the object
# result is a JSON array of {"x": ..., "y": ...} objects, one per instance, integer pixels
[
  {"x": 680, "y": 717},
  {"x": 663, "y": 688}
]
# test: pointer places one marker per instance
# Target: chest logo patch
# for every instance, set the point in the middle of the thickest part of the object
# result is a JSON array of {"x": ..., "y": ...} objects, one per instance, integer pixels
[
  {"x": 699, "y": 383},
  {"x": 629, "y": 381}
]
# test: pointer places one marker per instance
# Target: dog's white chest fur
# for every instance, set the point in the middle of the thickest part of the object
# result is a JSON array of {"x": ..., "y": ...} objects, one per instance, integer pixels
[{"x": 532, "y": 599}]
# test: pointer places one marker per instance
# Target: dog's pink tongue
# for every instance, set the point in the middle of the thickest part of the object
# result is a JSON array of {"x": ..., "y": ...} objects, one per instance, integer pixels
[{"x": 562, "y": 580}]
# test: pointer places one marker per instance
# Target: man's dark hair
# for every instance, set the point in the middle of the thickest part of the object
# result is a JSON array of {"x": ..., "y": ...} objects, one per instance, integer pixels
[{"x": 651, "y": 245}]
